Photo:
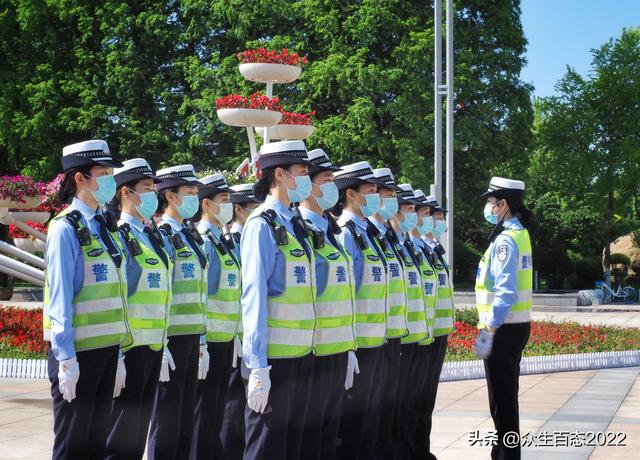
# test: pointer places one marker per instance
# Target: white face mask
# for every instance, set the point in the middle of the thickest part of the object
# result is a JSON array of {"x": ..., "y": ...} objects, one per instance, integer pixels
[{"x": 225, "y": 213}]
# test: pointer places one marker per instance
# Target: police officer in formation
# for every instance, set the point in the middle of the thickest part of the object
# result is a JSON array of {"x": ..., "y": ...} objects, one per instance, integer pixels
[
  {"x": 504, "y": 285},
  {"x": 304, "y": 316}
]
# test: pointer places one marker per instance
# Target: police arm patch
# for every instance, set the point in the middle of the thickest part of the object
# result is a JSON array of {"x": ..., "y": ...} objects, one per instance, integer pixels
[{"x": 502, "y": 252}]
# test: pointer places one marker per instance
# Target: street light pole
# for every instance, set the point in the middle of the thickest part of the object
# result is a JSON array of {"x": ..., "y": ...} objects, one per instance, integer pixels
[
  {"x": 437, "y": 89},
  {"x": 450, "y": 101}
]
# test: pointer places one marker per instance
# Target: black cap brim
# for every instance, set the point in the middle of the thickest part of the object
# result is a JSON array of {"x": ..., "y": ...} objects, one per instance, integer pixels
[
  {"x": 393, "y": 187},
  {"x": 206, "y": 191},
  {"x": 313, "y": 170},
  {"x": 351, "y": 182},
  {"x": 280, "y": 160},
  {"x": 502, "y": 193},
  {"x": 243, "y": 199},
  {"x": 173, "y": 182},
  {"x": 126, "y": 177},
  {"x": 72, "y": 161}
]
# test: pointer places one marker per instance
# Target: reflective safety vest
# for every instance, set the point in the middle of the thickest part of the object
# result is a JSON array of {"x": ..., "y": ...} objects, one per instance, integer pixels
[
  {"x": 371, "y": 321},
  {"x": 429, "y": 294},
  {"x": 445, "y": 311},
  {"x": 291, "y": 316},
  {"x": 520, "y": 312},
  {"x": 416, "y": 315},
  {"x": 223, "y": 307},
  {"x": 187, "y": 314},
  {"x": 149, "y": 304},
  {"x": 396, "y": 295},
  {"x": 335, "y": 325},
  {"x": 100, "y": 307}
]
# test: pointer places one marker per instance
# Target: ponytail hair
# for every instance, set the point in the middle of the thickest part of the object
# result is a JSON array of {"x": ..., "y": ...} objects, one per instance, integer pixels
[
  {"x": 68, "y": 187},
  {"x": 262, "y": 188},
  {"x": 518, "y": 209}
]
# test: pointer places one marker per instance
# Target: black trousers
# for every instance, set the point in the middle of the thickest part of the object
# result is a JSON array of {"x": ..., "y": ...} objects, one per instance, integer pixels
[
  {"x": 387, "y": 440},
  {"x": 232, "y": 429},
  {"x": 131, "y": 411},
  {"x": 323, "y": 418},
  {"x": 210, "y": 403},
  {"x": 172, "y": 420},
  {"x": 361, "y": 407},
  {"x": 81, "y": 427},
  {"x": 503, "y": 371},
  {"x": 277, "y": 433},
  {"x": 419, "y": 443}
]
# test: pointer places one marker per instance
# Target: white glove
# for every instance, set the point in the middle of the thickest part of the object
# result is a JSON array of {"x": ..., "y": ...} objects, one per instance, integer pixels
[
  {"x": 484, "y": 344},
  {"x": 258, "y": 389},
  {"x": 167, "y": 362},
  {"x": 237, "y": 351},
  {"x": 203, "y": 362},
  {"x": 352, "y": 367},
  {"x": 121, "y": 377},
  {"x": 68, "y": 376}
]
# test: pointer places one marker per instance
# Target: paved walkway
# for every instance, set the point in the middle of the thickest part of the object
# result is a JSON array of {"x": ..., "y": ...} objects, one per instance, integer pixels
[{"x": 589, "y": 401}]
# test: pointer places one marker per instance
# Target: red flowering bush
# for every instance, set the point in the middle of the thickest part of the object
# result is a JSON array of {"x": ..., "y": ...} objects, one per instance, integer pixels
[
  {"x": 254, "y": 101},
  {"x": 21, "y": 333},
  {"x": 261, "y": 55},
  {"x": 292, "y": 118},
  {"x": 15, "y": 232},
  {"x": 17, "y": 188},
  {"x": 546, "y": 338}
]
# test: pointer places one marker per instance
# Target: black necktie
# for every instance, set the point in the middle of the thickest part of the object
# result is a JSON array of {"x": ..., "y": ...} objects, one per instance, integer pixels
[
  {"x": 105, "y": 236},
  {"x": 301, "y": 235},
  {"x": 156, "y": 246},
  {"x": 195, "y": 247}
]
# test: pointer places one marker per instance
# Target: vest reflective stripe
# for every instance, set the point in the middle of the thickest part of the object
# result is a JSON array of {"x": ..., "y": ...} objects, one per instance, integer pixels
[
  {"x": 99, "y": 308},
  {"x": 396, "y": 297},
  {"x": 223, "y": 307},
  {"x": 445, "y": 312},
  {"x": 335, "y": 331},
  {"x": 416, "y": 315},
  {"x": 520, "y": 312},
  {"x": 291, "y": 316},
  {"x": 371, "y": 318},
  {"x": 429, "y": 282},
  {"x": 149, "y": 304},
  {"x": 187, "y": 314}
]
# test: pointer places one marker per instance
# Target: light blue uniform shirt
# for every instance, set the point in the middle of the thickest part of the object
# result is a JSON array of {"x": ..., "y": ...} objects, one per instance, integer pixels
[
  {"x": 503, "y": 274},
  {"x": 133, "y": 269},
  {"x": 65, "y": 275},
  {"x": 322, "y": 266},
  {"x": 348, "y": 242},
  {"x": 262, "y": 276},
  {"x": 213, "y": 275},
  {"x": 236, "y": 228}
]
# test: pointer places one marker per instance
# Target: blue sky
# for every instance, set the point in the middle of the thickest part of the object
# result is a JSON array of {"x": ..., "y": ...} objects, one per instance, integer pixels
[{"x": 562, "y": 32}]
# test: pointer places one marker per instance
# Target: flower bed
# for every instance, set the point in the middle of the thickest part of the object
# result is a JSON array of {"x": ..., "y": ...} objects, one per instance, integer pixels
[
  {"x": 21, "y": 333},
  {"x": 15, "y": 232},
  {"x": 18, "y": 188},
  {"x": 263, "y": 56},
  {"x": 254, "y": 101},
  {"x": 546, "y": 338}
]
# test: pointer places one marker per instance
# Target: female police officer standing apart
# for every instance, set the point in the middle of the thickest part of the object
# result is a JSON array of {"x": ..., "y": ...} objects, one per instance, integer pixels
[
  {"x": 172, "y": 421},
  {"x": 503, "y": 298},
  {"x": 149, "y": 285},
  {"x": 85, "y": 304},
  {"x": 278, "y": 313},
  {"x": 335, "y": 337}
]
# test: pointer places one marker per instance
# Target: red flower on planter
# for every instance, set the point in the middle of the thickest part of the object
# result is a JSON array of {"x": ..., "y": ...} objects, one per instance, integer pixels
[
  {"x": 261, "y": 55},
  {"x": 254, "y": 101},
  {"x": 292, "y": 118},
  {"x": 15, "y": 232}
]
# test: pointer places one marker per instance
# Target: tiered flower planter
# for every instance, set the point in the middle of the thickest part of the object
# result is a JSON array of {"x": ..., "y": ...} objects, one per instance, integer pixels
[
  {"x": 288, "y": 132},
  {"x": 264, "y": 72},
  {"x": 29, "y": 202}
]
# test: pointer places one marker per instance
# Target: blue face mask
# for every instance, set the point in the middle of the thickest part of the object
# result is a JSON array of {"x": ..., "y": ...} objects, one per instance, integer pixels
[
  {"x": 372, "y": 205},
  {"x": 409, "y": 222},
  {"x": 440, "y": 228},
  {"x": 302, "y": 190},
  {"x": 329, "y": 196},
  {"x": 189, "y": 206},
  {"x": 492, "y": 219},
  {"x": 427, "y": 225},
  {"x": 148, "y": 204},
  {"x": 106, "y": 189},
  {"x": 389, "y": 208}
]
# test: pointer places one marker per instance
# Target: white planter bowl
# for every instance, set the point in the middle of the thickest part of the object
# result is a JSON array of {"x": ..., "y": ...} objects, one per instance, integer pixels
[
  {"x": 292, "y": 132},
  {"x": 248, "y": 117},
  {"x": 39, "y": 245},
  {"x": 25, "y": 244},
  {"x": 33, "y": 216},
  {"x": 263, "y": 72}
]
